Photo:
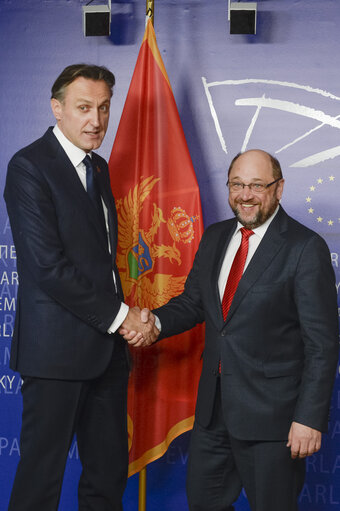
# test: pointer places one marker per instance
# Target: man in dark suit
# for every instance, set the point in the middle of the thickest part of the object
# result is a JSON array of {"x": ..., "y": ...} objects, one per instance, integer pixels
[
  {"x": 271, "y": 346},
  {"x": 73, "y": 362}
]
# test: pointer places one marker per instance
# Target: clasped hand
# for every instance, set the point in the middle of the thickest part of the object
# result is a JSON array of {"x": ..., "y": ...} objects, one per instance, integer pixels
[{"x": 138, "y": 328}]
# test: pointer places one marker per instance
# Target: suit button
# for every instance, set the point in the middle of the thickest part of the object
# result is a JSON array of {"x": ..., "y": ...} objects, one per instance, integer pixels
[{"x": 223, "y": 334}]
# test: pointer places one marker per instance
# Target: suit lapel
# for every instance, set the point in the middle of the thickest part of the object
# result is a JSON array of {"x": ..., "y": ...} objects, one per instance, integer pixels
[
  {"x": 105, "y": 192},
  {"x": 67, "y": 174},
  {"x": 63, "y": 168},
  {"x": 221, "y": 248},
  {"x": 265, "y": 253}
]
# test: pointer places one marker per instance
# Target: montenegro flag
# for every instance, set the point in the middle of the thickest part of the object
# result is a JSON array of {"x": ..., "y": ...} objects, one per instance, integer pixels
[{"x": 159, "y": 226}]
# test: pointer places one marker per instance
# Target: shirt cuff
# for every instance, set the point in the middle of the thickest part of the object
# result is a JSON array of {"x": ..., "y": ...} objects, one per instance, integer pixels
[
  {"x": 158, "y": 323},
  {"x": 122, "y": 313}
]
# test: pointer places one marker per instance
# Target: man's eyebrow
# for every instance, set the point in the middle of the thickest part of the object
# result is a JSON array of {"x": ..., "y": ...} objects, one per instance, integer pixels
[{"x": 252, "y": 179}]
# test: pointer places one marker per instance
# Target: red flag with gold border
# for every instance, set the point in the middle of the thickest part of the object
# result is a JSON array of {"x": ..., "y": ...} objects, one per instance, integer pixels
[{"x": 159, "y": 228}]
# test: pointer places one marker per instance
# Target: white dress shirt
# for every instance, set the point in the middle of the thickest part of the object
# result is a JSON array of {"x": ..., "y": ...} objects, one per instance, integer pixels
[
  {"x": 233, "y": 247},
  {"x": 76, "y": 156}
]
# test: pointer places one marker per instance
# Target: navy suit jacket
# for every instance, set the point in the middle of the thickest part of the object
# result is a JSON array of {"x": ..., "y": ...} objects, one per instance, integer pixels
[
  {"x": 66, "y": 298},
  {"x": 279, "y": 345}
]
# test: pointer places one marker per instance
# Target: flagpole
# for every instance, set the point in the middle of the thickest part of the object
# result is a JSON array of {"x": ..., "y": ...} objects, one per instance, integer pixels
[
  {"x": 142, "y": 490},
  {"x": 150, "y": 6},
  {"x": 150, "y": 86}
]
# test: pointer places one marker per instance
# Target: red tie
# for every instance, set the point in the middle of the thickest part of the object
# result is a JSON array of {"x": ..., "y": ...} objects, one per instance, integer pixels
[{"x": 236, "y": 271}]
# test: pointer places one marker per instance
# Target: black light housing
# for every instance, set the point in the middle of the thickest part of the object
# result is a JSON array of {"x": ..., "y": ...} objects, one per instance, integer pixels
[
  {"x": 97, "y": 20},
  {"x": 242, "y": 17}
]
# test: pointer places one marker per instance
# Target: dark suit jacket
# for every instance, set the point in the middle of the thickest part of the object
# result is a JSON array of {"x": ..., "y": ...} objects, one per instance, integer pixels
[
  {"x": 279, "y": 345},
  {"x": 66, "y": 297}
]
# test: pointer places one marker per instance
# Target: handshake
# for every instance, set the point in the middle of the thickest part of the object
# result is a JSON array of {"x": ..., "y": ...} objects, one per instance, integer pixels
[{"x": 139, "y": 328}]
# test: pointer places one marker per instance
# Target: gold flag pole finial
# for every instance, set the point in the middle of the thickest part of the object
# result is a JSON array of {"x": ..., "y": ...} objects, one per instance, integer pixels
[{"x": 150, "y": 9}]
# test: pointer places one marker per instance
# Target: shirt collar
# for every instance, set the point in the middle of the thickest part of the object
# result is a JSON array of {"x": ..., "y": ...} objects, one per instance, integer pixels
[
  {"x": 261, "y": 230},
  {"x": 75, "y": 154}
]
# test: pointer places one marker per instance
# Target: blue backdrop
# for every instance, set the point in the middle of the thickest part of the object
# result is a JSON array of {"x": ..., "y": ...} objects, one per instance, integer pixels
[{"x": 278, "y": 90}]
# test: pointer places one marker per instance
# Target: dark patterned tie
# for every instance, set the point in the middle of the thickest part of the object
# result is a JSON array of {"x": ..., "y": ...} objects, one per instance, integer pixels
[
  {"x": 236, "y": 271},
  {"x": 92, "y": 189}
]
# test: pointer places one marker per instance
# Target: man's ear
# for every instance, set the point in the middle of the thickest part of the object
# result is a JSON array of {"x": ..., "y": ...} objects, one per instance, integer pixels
[
  {"x": 56, "y": 108},
  {"x": 279, "y": 190}
]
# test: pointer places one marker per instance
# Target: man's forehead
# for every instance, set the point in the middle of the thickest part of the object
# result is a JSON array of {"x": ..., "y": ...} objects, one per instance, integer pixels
[
  {"x": 255, "y": 163},
  {"x": 86, "y": 88}
]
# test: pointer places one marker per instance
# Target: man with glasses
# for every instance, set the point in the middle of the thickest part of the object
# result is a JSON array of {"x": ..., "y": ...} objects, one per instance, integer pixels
[{"x": 264, "y": 285}]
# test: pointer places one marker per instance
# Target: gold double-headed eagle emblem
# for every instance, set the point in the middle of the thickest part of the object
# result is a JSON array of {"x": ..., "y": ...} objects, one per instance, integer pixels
[{"x": 138, "y": 253}]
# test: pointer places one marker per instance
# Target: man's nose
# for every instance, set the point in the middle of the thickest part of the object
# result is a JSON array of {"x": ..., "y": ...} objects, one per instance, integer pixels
[
  {"x": 246, "y": 193},
  {"x": 95, "y": 117}
]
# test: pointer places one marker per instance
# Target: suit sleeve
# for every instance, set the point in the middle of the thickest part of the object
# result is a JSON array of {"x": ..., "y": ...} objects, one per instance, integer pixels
[
  {"x": 35, "y": 230},
  {"x": 316, "y": 301},
  {"x": 186, "y": 310}
]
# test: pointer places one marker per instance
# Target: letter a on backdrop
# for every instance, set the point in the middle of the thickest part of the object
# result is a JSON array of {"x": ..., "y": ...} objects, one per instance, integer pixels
[{"x": 159, "y": 225}]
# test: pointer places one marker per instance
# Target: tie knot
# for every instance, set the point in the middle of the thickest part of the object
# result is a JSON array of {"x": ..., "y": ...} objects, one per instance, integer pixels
[
  {"x": 87, "y": 162},
  {"x": 246, "y": 233}
]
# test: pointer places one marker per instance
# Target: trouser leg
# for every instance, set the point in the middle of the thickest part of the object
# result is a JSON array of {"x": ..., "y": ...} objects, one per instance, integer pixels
[
  {"x": 48, "y": 418},
  {"x": 213, "y": 481},
  {"x": 272, "y": 480},
  {"x": 103, "y": 441}
]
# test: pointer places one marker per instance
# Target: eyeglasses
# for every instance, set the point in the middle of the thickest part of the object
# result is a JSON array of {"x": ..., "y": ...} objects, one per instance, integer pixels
[{"x": 235, "y": 186}]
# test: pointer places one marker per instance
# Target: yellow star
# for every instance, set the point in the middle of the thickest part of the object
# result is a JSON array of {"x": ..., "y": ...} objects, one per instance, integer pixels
[
  {"x": 308, "y": 199},
  {"x": 330, "y": 222},
  {"x": 331, "y": 178},
  {"x": 319, "y": 219},
  {"x": 312, "y": 188},
  {"x": 311, "y": 210},
  {"x": 320, "y": 181}
]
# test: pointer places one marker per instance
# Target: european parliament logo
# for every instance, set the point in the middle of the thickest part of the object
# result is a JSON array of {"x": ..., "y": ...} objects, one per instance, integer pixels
[{"x": 295, "y": 122}]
